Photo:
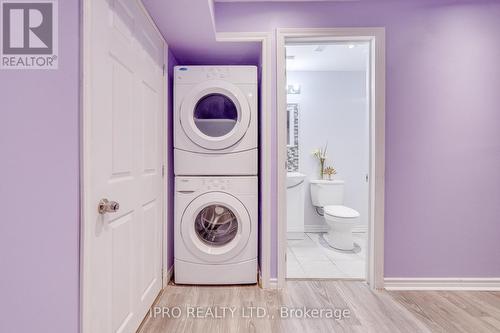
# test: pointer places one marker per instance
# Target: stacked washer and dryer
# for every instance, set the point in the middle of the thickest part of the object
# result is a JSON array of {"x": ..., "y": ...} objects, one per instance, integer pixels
[{"x": 216, "y": 167}]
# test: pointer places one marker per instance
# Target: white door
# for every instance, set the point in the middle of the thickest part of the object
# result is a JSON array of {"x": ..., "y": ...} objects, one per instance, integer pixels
[
  {"x": 123, "y": 121},
  {"x": 215, "y": 115}
]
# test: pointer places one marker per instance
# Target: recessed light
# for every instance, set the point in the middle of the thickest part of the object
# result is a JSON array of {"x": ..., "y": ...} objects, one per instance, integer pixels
[{"x": 351, "y": 46}]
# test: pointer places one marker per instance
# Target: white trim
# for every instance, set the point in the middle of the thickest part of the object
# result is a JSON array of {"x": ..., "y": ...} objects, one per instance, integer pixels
[
  {"x": 376, "y": 37},
  {"x": 326, "y": 228},
  {"x": 167, "y": 276},
  {"x": 295, "y": 235},
  {"x": 316, "y": 228},
  {"x": 266, "y": 131},
  {"x": 85, "y": 80},
  {"x": 151, "y": 21},
  {"x": 478, "y": 284},
  {"x": 273, "y": 283},
  {"x": 85, "y": 205},
  {"x": 360, "y": 228},
  {"x": 281, "y": 100}
]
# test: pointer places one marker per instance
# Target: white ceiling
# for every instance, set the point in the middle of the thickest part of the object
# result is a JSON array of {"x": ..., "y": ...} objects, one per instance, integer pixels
[{"x": 334, "y": 57}]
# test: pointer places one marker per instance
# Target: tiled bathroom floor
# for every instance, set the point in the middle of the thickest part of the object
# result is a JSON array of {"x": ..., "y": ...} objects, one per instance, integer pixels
[{"x": 308, "y": 258}]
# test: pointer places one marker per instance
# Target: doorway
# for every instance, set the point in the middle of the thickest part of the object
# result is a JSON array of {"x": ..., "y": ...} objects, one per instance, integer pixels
[
  {"x": 331, "y": 117},
  {"x": 327, "y": 159}
]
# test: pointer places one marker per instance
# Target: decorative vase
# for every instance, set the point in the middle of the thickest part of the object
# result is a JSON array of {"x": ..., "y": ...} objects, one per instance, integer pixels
[{"x": 321, "y": 168}]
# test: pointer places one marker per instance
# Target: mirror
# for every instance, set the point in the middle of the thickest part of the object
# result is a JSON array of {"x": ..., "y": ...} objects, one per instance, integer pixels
[
  {"x": 291, "y": 120},
  {"x": 292, "y": 125}
]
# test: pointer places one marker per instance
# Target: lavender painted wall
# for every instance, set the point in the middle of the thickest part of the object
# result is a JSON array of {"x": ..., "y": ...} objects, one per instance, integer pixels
[
  {"x": 39, "y": 190},
  {"x": 172, "y": 62},
  {"x": 443, "y": 124}
]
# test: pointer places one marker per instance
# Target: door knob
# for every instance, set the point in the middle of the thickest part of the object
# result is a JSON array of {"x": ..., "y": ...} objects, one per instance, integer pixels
[{"x": 106, "y": 206}]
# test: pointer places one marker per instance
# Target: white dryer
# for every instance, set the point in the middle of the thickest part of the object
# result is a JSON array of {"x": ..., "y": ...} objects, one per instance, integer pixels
[
  {"x": 215, "y": 232},
  {"x": 215, "y": 120}
]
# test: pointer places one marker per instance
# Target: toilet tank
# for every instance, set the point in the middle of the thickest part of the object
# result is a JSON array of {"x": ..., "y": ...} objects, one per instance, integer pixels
[{"x": 327, "y": 192}]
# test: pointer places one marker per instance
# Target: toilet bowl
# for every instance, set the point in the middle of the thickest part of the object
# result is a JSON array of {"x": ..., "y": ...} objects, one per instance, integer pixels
[
  {"x": 329, "y": 196},
  {"x": 340, "y": 219}
]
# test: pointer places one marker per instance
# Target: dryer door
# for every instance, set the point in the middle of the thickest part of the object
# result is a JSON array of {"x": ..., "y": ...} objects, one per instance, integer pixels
[
  {"x": 215, "y": 227},
  {"x": 215, "y": 115}
]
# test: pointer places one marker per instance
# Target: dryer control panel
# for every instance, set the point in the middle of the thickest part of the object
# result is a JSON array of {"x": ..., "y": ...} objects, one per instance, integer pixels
[{"x": 233, "y": 74}]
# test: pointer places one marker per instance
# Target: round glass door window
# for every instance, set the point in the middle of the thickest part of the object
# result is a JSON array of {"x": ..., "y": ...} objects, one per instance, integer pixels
[
  {"x": 216, "y": 225},
  {"x": 215, "y": 115}
]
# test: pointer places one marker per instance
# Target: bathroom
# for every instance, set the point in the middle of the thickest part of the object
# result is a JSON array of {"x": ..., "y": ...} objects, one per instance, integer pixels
[{"x": 327, "y": 140}]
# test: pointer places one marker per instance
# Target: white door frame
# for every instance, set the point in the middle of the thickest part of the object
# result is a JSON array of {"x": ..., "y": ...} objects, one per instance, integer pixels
[
  {"x": 376, "y": 38},
  {"x": 265, "y": 158},
  {"x": 85, "y": 153}
]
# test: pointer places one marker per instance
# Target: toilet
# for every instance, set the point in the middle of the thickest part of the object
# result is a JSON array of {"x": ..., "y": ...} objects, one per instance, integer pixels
[{"x": 329, "y": 196}]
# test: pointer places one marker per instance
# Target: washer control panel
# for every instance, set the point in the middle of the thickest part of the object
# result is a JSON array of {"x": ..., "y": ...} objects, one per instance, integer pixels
[
  {"x": 218, "y": 184},
  {"x": 194, "y": 186}
]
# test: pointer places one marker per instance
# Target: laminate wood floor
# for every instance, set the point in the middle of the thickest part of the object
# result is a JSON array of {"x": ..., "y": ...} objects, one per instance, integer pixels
[{"x": 251, "y": 309}]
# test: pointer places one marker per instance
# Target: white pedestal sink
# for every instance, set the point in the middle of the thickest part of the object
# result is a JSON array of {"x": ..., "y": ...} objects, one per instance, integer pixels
[{"x": 295, "y": 200}]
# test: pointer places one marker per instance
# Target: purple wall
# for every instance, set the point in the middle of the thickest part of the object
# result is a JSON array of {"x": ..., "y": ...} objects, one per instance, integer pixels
[
  {"x": 172, "y": 62},
  {"x": 39, "y": 190},
  {"x": 443, "y": 124}
]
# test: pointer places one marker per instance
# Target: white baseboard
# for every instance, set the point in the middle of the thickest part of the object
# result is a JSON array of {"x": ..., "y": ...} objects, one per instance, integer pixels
[
  {"x": 295, "y": 235},
  {"x": 167, "y": 276},
  {"x": 326, "y": 228},
  {"x": 273, "y": 282},
  {"x": 360, "y": 228},
  {"x": 472, "y": 284},
  {"x": 316, "y": 228}
]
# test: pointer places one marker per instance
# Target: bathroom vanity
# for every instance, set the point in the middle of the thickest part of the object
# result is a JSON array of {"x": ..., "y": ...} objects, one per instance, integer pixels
[{"x": 295, "y": 191}]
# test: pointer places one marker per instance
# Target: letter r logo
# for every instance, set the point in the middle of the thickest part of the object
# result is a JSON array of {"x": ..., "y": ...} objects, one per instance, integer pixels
[{"x": 27, "y": 27}]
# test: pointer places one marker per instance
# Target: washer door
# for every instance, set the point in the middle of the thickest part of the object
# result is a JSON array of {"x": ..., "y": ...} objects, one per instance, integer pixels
[
  {"x": 215, "y": 227},
  {"x": 215, "y": 115}
]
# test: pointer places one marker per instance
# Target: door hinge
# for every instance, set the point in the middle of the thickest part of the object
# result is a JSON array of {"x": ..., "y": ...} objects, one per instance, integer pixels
[
  {"x": 163, "y": 171},
  {"x": 164, "y": 69}
]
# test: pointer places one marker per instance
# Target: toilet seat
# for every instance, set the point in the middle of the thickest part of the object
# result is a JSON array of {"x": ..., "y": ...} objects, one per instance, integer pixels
[
  {"x": 341, "y": 220},
  {"x": 340, "y": 212}
]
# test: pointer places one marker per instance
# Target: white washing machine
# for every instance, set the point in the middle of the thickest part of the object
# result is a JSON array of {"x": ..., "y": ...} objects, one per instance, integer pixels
[
  {"x": 216, "y": 230},
  {"x": 215, "y": 120}
]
